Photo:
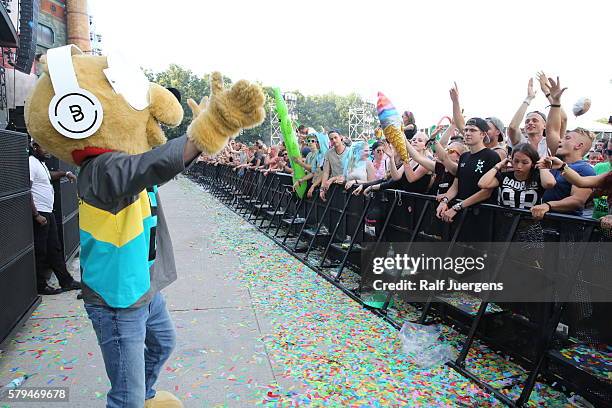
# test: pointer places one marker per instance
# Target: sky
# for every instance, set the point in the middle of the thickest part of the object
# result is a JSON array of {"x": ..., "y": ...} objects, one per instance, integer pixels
[{"x": 412, "y": 51}]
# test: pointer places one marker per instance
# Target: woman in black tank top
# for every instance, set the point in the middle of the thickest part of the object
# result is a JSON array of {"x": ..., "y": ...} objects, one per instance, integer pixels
[{"x": 411, "y": 177}]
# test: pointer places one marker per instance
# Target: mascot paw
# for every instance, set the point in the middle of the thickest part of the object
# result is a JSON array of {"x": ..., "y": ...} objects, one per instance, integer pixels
[
  {"x": 225, "y": 114},
  {"x": 163, "y": 399}
]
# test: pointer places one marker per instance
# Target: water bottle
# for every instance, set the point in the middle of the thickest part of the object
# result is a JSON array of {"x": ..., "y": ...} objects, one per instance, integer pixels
[{"x": 16, "y": 383}]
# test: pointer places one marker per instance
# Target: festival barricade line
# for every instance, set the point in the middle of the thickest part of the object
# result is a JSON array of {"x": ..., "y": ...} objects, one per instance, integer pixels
[
  {"x": 353, "y": 245},
  {"x": 555, "y": 227},
  {"x": 261, "y": 199},
  {"x": 280, "y": 195}
]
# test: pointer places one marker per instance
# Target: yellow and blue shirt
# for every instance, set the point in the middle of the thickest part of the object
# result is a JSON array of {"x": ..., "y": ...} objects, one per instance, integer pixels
[{"x": 126, "y": 252}]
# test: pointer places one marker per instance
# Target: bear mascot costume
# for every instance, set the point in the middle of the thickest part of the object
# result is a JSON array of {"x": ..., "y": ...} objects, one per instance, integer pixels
[{"x": 104, "y": 116}]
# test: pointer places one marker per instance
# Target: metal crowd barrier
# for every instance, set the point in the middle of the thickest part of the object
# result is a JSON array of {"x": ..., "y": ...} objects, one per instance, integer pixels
[{"x": 329, "y": 237}]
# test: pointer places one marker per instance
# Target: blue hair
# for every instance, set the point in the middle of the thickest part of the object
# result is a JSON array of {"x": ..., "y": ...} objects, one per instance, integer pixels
[
  {"x": 352, "y": 159},
  {"x": 323, "y": 147}
]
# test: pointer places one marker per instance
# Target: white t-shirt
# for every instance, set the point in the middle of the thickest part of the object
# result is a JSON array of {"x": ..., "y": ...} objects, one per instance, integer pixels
[
  {"x": 42, "y": 190},
  {"x": 542, "y": 146}
]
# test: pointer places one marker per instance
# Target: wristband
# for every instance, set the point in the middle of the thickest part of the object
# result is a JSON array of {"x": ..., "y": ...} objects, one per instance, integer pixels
[
  {"x": 549, "y": 206},
  {"x": 445, "y": 199},
  {"x": 555, "y": 105},
  {"x": 563, "y": 167},
  {"x": 527, "y": 102}
]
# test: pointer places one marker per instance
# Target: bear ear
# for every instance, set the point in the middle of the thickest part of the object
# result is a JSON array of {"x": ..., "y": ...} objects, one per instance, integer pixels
[{"x": 42, "y": 61}]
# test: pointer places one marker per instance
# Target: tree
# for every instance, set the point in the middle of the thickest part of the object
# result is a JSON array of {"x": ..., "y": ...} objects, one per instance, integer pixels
[
  {"x": 189, "y": 85},
  {"x": 328, "y": 111}
]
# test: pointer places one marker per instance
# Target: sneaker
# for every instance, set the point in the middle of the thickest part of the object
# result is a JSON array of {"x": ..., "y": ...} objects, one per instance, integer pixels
[
  {"x": 74, "y": 285},
  {"x": 346, "y": 243},
  {"x": 49, "y": 290}
]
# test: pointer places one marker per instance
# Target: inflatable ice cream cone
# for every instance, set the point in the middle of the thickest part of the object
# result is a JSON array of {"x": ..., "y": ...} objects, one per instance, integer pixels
[{"x": 391, "y": 123}]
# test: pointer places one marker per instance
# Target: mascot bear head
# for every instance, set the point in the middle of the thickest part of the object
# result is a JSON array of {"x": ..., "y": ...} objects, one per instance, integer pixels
[{"x": 85, "y": 105}]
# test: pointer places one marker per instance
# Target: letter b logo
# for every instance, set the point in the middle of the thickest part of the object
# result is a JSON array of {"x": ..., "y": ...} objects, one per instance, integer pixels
[{"x": 77, "y": 113}]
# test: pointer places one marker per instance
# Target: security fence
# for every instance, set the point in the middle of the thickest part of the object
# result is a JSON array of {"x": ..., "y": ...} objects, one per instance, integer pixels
[{"x": 552, "y": 316}]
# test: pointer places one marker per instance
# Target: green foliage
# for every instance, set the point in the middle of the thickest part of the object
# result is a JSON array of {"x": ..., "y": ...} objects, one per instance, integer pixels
[
  {"x": 190, "y": 86},
  {"x": 328, "y": 111}
]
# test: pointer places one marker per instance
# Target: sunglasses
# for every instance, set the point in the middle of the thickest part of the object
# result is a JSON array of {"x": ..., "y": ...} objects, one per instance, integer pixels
[{"x": 451, "y": 151}]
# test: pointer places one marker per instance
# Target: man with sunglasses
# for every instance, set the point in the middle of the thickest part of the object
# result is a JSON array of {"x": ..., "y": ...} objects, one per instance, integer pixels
[
  {"x": 312, "y": 164},
  {"x": 302, "y": 134}
]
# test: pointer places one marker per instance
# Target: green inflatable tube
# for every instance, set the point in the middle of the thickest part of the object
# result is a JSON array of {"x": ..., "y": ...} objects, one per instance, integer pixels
[{"x": 290, "y": 140}]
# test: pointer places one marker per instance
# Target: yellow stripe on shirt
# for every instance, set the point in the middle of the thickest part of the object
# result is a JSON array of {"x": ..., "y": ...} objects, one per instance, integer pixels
[{"x": 116, "y": 229}]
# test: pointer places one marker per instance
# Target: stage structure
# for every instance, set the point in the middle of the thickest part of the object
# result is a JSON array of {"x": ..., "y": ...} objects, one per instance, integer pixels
[
  {"x": 361, "y": 120},
  {"x": 275, "y": 132}
]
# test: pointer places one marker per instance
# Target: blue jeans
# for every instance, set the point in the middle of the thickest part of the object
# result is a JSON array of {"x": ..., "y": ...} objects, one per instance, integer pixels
[{"x": 135, "y": 344}]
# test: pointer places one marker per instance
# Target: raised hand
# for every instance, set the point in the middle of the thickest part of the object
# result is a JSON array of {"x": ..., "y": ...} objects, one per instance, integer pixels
[
  {"x": 555, "y": 91},
  {"x": 454, "y": 93},
  {"x": 531, "y": 93},
  {"x": 225, "y": 114},
  {"x": 544, "y": 84},
  {"x": 389, "y": 150}
]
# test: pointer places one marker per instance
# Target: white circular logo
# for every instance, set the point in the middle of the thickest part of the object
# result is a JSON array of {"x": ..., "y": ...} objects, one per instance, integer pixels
[{"x": 77, "y": 114}]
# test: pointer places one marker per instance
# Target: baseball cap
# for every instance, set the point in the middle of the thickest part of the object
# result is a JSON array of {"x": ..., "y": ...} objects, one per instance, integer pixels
[
  {"x": 499, "y": 125},
  {"x": 480, "y": 123}
]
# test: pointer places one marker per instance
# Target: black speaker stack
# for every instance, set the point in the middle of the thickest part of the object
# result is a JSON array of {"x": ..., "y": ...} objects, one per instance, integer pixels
[
  {"x": 18, "y": 296},
  {"x": 66, "y": 208},
  {"x": 28, "y": 30}
]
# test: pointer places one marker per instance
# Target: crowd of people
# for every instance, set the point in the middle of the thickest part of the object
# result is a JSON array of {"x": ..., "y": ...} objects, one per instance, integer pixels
[{"x": 535, "y": 163}]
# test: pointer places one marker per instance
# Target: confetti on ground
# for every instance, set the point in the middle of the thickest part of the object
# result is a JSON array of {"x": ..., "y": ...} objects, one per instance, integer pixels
[
  {"x": 342, "y": 353},
  {"x": 324, "y": 348}
]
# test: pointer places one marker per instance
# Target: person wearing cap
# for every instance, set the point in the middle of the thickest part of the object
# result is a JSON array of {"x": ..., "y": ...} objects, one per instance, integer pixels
[
  {"x": 495, "y": 137},
  {"x": 472, "y": 166},
  {"x": 535, "y": 125}
]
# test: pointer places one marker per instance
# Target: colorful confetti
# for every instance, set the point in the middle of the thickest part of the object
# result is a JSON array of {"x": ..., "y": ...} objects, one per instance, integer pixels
[{"x": 323, "y": 348}]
